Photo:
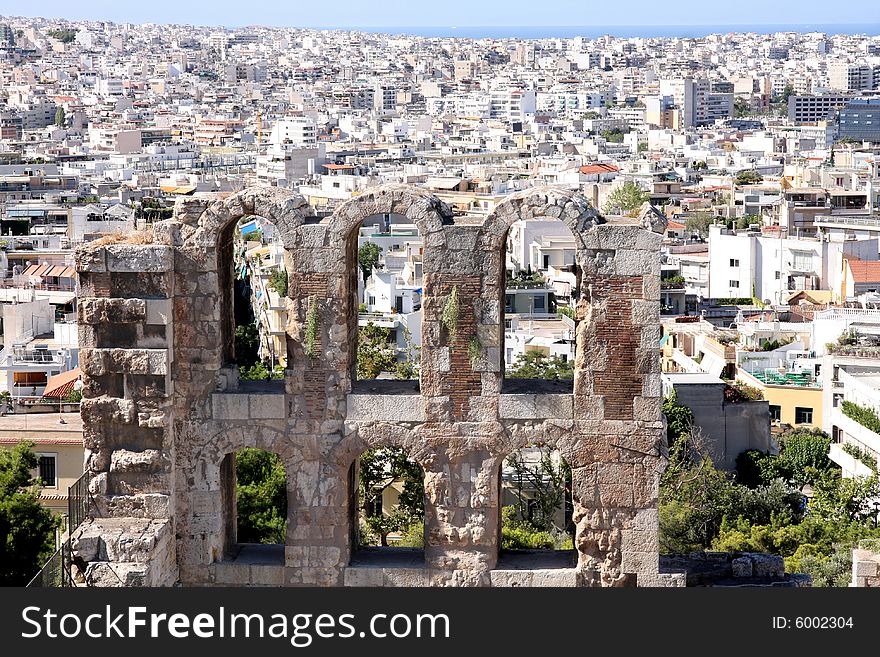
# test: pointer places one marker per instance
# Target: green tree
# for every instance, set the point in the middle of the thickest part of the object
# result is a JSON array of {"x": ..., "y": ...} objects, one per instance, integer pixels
[
  {"x": 368, "y": 257},
  {"x": 247, "y": 345},
  {"x": 699, "y": 223},
  {"x": 741, "y": 108},
  {"x": 65, "y": 35},
  {"x": 806, "y": 453},
  {"x": 27, "y": 528},
  {"x": 60, "y": 118},
  {"x": 278, "y": 281},
  {"x": 375, "y": 354},
  {"x": 408, "y": 368},
  {"x": 626, "y": 198},
  {"x": 378, "y": 469},
  {"x": 535, "y": 365},
  {"x": 748, "y": 177},
  {"x": 261, "y": 497},
  {"x": 548, "y": 484}
]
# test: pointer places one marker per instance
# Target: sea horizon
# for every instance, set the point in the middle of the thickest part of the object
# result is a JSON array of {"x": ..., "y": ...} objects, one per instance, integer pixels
[{"x": 623, "y": 31}]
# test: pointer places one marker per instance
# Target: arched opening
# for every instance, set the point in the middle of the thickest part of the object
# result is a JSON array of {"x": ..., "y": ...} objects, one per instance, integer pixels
[
  {"x": 541, "y": 287},
  {"x": 254, "y": 499},
  {"x": 388, "y": 290},
  {"x": 536, "y": 528},
  {"x": 253, "y": 285},
  {"x": 388, "y": 505}
]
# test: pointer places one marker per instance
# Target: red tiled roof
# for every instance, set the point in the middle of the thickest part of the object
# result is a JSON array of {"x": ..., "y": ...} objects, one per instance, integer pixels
[
  {"x": 61, "y": 385},
  {"x": 864, "y": 271},
  {"x": 599, "y": 168}
]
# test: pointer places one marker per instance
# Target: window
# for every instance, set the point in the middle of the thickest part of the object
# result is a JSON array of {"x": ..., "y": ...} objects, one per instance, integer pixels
[
  {"x": 802, "y": 260},
  {"x": 776, "y": 275},
  {"x": 836, "y": 398},
  {"x": 540, "y": 302},
  {"x": 734, "y": 284},
  {"x": 47, "y": 471},
  {"x": 734, "y": 262},
  {"x": 803, "y": 415},
  {"x": 775, "y": 412}
]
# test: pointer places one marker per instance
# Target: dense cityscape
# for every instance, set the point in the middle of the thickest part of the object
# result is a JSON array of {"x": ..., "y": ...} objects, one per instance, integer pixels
[{"x": 761, "y": 153}]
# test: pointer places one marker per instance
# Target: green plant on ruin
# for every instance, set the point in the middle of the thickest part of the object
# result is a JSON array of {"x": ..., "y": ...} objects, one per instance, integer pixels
[
  {"x": 449, "y": 315},
  {"x": 475, "y": 351},
  {"x": 310, "y": 339}
]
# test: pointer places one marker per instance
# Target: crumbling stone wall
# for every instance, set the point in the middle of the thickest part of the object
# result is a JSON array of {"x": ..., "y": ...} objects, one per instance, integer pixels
[{"x": 163, "y": 408}]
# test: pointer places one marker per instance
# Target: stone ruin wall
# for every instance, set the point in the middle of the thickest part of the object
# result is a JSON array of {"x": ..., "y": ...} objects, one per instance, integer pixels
[{"x": 162, "y": 407}]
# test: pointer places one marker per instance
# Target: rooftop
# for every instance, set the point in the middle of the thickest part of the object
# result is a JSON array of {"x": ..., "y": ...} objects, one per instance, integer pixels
[{"x": 40, "y": 422}]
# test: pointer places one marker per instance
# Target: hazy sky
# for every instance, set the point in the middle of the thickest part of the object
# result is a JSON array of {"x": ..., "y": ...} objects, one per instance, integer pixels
[{"x": 412, "y": 13}]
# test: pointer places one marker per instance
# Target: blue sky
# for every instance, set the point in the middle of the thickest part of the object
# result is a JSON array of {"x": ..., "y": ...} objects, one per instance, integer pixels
[{"x": 462, "y": 13}]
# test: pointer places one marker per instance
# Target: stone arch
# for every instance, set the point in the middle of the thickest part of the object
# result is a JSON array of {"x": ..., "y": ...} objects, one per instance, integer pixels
[
  {"x": 381, "y": 436},
  {"x": 545, "y": 202},
  {"x": 211, "y": 466},
  {"x": 213, "y": 232},
  {"x": 423, "y": 209}
]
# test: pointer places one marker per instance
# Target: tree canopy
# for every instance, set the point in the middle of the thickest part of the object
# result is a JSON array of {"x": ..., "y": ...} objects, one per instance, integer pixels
[
  {"x": 27, "y": 529},
  {"x": 261, "y": 497},
  {"x": 368, "y": 257},
  {"x": 378, "y": 469},
  {"x": 535, "y": 365},
  {"x": 626, "y": 198}
]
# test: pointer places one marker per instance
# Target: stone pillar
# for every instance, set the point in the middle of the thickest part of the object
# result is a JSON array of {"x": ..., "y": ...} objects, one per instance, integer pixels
[{"x": 126, "y": 337}]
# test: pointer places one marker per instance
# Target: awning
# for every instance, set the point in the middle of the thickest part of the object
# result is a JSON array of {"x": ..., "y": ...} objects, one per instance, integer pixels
[
  {"x": 61, "y": 385},
  {"x": 249, "y": 227}
]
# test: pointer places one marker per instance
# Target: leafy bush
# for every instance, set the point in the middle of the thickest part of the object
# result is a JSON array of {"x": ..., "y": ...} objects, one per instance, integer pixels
[
  {"x": 860, "y": 454},
  {"x": 861, "y": 414},
  {"x": 739, "y": 392},
  {"x": 519, "y": 534}
]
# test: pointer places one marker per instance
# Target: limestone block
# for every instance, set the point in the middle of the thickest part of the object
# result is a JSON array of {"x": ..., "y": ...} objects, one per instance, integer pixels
[
  {"x": 865, "y": 568},
  {"x": 139, "y": 258},
  {"x": 766, "y": 565},
  {"x": 363, "y": 577},
  {"x": 230, "y": 406},
  {"x": 231, "y": 573},
  {"x": 645, "y": 313},
  {"x": 94, "y": 310},
  {"x": 267, "y": 406},
  {"x": 90, "y": 259},
  {"x": 266, "y": 575},
  {"x": 510, "y": 578},
  {"x": 554, "y": 406},
  {"x": 556, "y": 577},
  {"x": 387, "y": 408},
  {"x": 518, "y": 407},
  {"x": 405, "y": 577}
]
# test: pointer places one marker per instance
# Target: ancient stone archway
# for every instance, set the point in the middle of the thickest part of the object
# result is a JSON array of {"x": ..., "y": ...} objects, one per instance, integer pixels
[{"x": 157, "y": 401}]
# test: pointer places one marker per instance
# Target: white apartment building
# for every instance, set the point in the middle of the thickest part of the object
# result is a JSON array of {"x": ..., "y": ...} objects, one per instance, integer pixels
[
  {"x": 299, "y": 131},
  {"x": 749, "y": 263}
]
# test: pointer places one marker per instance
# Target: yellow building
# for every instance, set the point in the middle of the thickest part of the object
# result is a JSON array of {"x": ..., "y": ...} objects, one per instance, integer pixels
[
  {"x": 58, "y": 446},
  {"x": 794, "y": 399}
]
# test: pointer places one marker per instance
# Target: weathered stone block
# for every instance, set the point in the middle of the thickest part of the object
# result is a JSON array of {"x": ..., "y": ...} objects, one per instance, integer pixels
[
  {"x": 389, "y": 408},
  {"x": 230, "y": 406},
  {"x": 267, "y": 406},
  {"x": 139, "y": 258},
  {"x": 363, "y": 577}
]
